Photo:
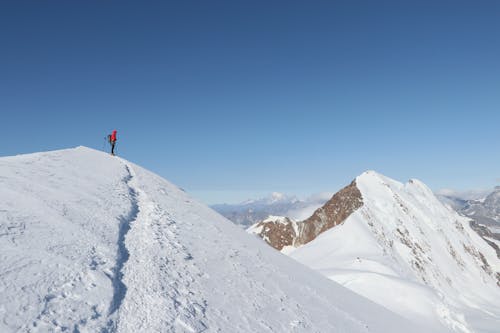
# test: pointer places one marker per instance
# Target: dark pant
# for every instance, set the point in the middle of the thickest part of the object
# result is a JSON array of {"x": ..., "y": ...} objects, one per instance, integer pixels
[{"x": 113, "y": 147}]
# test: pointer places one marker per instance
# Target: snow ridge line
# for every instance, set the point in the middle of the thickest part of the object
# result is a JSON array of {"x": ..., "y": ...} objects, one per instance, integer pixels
[
  {"x": 161, "y": 277},
  {"x": 119, "y": 287}
]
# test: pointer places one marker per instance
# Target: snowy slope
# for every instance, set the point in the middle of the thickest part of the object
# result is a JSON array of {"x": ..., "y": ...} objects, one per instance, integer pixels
[
  {"x": 93, "y": 243},
  {"x": 406, "y": 251},
  {"x": 484, "y": 209}
]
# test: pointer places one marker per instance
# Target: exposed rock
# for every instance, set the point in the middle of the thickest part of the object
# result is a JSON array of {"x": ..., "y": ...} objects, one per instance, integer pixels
[
  {"x": 334, "y": 212},
  {"x": 277, "y": 231},
  {"x": 280, "y": 232}
]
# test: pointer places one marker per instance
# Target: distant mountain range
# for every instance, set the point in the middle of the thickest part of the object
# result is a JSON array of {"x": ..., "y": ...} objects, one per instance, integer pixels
[
  {"x": 482, "y": 206},
  {"x": 252, "y": 211},
  {"x": 484, "y": 209}
]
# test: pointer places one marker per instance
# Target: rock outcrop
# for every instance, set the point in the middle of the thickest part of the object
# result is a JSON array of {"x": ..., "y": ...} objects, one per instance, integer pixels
[
  {"x": 277, "y": 231},
  {"x": 281, "y": 231}
]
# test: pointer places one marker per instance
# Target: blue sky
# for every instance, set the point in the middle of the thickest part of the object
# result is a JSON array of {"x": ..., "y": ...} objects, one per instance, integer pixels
[{"x": 234, "y": 99}]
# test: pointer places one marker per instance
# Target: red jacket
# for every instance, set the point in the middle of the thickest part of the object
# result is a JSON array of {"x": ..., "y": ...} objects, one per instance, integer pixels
[{"x": 113, "y": 136}]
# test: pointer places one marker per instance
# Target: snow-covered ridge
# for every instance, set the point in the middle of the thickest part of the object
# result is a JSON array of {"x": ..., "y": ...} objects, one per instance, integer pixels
[
  {"x": 94, "y": 243},
  {"x": 404, "y": 241}
]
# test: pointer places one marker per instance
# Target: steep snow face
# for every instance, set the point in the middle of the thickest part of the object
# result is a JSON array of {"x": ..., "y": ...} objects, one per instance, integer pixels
[
  {"x": 405, "y": 250},
  {"x": 93, "y": 243}
]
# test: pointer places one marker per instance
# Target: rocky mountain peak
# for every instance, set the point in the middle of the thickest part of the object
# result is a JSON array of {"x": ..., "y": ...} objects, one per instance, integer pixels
[
  {"x": 334, "y": 212},
  {"x": 280, "y": 231}
]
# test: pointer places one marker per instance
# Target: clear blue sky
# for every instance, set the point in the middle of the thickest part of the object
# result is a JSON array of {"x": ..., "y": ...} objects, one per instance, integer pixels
[{"x": 230, "y": 99}]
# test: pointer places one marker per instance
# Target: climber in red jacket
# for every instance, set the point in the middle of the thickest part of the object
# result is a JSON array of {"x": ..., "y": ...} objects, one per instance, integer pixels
[{"x": 112, "y": 141}]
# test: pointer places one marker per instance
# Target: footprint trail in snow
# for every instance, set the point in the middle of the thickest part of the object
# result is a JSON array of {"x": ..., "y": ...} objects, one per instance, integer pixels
[{"x": 157, "y": 274}]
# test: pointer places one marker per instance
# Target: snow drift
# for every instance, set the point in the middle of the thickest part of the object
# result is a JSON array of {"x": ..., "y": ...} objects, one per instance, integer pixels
[{"x": 93, "y": 243}]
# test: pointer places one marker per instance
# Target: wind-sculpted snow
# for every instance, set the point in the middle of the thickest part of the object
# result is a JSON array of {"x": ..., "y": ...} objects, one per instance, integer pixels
[{"x": 93, "y": 243}]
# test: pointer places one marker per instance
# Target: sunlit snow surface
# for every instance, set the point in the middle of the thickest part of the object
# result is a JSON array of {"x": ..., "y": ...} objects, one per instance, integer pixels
[
  {"x": 406, "y": 251},
  {"x": 93, "y": 243}
]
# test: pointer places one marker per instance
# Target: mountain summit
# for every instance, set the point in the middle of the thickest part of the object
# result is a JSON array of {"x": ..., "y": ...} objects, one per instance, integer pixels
[
  {"x": 398, "y": 245},
  {"x": 94, "y": 243}
]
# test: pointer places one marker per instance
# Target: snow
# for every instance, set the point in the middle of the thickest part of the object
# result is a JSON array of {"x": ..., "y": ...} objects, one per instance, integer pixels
[
  {"x": 300, "y": 214},
  {"x": 255, "y": 229},
  {"x": 94, "y": 243},
  {"x": 476, "y": 194},
  {"x": 277, "y": 219},
  {"x": 493, "y": 240},
  {"x": 277, "y": 204},
  {"x": 406, "y": 251}
]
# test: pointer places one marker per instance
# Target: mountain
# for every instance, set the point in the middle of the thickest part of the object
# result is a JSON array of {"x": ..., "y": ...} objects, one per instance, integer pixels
[
  {"x": 485, "y": 211},
  {"x": 93, "y": 243},
  {"x": 281, "y": 232},
  {"x": 459, "y": 199},
  {"x": 398, "y": 245},
  {"x": 249, "y": 212},
  {"x": 457, "y": 203}
]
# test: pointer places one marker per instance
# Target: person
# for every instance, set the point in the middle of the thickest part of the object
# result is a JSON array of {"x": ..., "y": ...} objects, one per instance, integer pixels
[{"x": 112, "y": 142}]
